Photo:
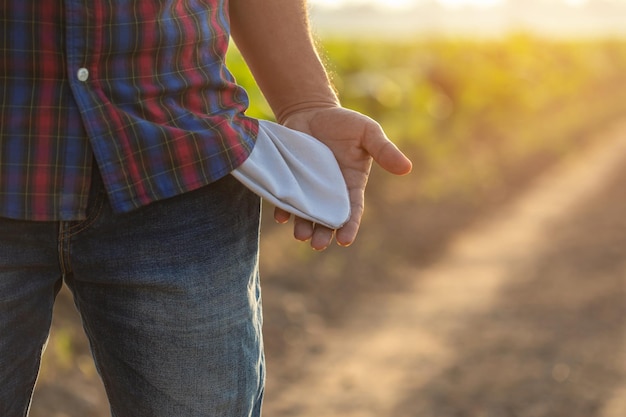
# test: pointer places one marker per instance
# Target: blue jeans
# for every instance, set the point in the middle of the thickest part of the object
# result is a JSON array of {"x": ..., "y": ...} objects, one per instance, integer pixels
[{"x": 169, "y": 298}]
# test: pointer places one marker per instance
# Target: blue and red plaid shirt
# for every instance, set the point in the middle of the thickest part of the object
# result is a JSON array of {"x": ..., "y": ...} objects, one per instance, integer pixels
[{"x": 139, "y": 86}]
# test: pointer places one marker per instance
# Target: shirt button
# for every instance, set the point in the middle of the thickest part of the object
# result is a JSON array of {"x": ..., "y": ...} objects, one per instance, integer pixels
[{"x": 82, "y": 74}]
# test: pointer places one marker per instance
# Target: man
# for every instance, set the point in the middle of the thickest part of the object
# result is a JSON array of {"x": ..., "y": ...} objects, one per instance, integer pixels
[{"x": 119, "y": 125}]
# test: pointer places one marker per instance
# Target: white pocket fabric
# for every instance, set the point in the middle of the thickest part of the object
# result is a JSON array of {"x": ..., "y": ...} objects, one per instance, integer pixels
[{"x": 297, "y": 173}]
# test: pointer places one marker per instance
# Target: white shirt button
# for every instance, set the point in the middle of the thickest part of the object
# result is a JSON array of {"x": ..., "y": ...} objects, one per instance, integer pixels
[{"x": 82, "y": 74}]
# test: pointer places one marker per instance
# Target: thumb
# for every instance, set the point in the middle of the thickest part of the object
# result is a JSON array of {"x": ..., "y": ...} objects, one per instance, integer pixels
[{"x": 385, "y": 153}]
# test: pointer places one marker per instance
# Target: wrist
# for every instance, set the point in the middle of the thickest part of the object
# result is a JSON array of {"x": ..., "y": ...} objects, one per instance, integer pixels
[{"x": 283, "y": 114}]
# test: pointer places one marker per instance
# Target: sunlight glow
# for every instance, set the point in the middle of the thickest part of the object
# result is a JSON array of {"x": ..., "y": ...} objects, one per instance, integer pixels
[
  {"x": 475, "y": 3},
  {"x": 407, "y": 4},
  {"x": 579, "y": 18},
  {"x": 383, "y": 4},
  {"x": 575, "y": 3}
]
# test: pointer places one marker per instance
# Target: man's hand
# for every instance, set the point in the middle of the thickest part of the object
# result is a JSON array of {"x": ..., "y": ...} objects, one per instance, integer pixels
[
  {"x": 275, "y": 40},
  {"x": 355, "y": 140}
]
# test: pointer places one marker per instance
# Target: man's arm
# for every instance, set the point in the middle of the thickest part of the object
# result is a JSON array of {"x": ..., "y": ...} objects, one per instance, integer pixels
[{"x": 274, "y": 38}]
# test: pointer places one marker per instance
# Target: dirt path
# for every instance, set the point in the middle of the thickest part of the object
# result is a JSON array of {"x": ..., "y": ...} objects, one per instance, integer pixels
[{"x": 524, "y": 316}]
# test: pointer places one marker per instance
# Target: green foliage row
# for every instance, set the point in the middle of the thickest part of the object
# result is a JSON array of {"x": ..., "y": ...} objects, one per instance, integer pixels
[{"x": 467, "y": 110}]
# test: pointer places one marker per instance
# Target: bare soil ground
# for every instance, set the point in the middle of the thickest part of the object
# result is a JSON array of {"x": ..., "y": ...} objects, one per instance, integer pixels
[
  {"x": 524, "y": 315},
  {"x": 518, "y": 310}
]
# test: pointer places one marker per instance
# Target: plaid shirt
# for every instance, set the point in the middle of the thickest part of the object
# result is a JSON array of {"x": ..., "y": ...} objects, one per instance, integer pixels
[{"x": 139, "y": 85}]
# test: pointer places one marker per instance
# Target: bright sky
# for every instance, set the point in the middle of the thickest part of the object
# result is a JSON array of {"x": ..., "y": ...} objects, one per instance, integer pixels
[{"x": 399, "y": 4}]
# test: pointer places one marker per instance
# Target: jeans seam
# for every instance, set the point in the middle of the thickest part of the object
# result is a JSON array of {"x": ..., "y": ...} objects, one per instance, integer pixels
[
  {"x": 67, "y": 230},
  {"x": 77, "y": 228},
  {"x": 63, "y": 244}
]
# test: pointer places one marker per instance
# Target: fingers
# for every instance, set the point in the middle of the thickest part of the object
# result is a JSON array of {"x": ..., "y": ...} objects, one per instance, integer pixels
[
  {"x": 302, "y": 229},
  {"x": 347, "y": 234},
  {"x": 281, "y": 216},
  {"x": 320, "y": 237}
]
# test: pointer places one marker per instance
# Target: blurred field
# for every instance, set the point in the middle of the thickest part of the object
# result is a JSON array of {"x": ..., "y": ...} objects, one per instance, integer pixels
[
  {"x": 480, "y": 119},
  {"x": 472, "y": 113}
]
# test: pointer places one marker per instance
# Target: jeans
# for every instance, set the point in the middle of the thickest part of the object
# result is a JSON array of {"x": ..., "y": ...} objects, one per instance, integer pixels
[{"x": 168, "y": 294}]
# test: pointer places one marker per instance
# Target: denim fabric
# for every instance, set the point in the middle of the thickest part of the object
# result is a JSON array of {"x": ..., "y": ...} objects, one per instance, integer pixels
[{"x": 169, "y": 296}]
